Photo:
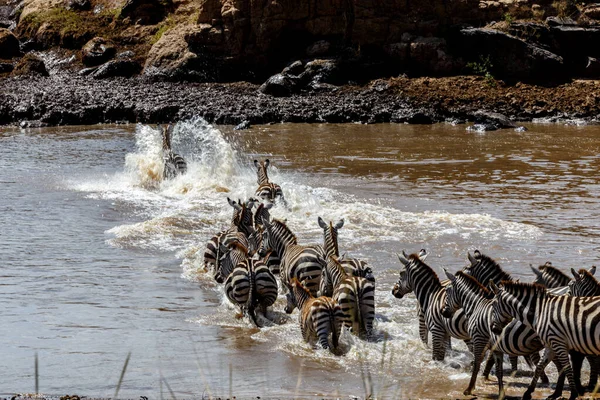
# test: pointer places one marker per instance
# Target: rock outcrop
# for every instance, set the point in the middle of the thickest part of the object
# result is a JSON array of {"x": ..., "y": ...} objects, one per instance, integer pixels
[{"x": 9, "y": 44}]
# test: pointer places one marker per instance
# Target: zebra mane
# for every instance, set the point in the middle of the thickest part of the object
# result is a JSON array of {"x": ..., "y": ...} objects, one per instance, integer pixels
[
  {"x": 489, "y": 262},
  {"x": 283, "y": 226},
  {"x": 474, "y": 285},
  {"x": 429, "y": 272},
  {"x": 520, "y": 288},
  {"x": 235, "y": 245},
  {"x": 552, "y": 270}
]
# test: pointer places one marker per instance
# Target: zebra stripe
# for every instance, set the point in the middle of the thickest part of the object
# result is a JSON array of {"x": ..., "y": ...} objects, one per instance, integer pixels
[
  {"x": 267, "y": 190},
  {"x": 240, "y": 222},
  {"x": 550, "y": 276},
  {"x": 319, "y": 317},
  {"x": 584, "y": 283},
  {"x": 516, "y": 339},
  {"x": 301, "y": 262},
  {"x": 484, "y": 269},
  {"x": 431, "y": 296},
  {"x": 355, "y": 295},
  {"x": 563, "y": 323},
  {"x": 262, "y": 212},
  {"x": 174, "y": 164},
  {"x": 251, "y": 284},
  {"x": 353, "y": 266}
]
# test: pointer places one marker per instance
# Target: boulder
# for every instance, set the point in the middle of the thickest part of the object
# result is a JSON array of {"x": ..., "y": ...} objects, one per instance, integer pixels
[
  {"x": 9, "y": 44},
  {"x": 6, "y": 67},
  {"x": 510, "y": 57},
  {"x": 146, "y": 12},
  {"x": 318, "y": 49},
  {"x": 97, "y": 51},
  {"x": 428, "y": 56},
  {"x": 114, "y": 68},
  {"x": 560, "y": 21},
  {"x": 279, "y": 85},
  {"x": 30, "y": 65},
  {"x": 321, "y": 71},
  {"x": 592, "y": 69},
  {"x": 592, "y": 11},
  {"x": 492, "y": 121}
]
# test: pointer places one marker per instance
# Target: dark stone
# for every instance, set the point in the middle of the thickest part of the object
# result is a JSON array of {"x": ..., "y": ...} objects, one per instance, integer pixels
[
  {"x": 559, "y": 21},
  {"x": 510, "y": 57},
  {"x": 79, "y": 5},
  {"x": 295, "y": 68},
  {"x": 124, "y": 68},
  {"x": 413, "y": 116},
  {"x": 87, "y": 71},
  {"x": 321, "y": 71},
  {"x": 9, "y": 44},
  {"x": 243, "y": 125},
  {"x": 146, "y": 12},
  {"x": 279, "y": 85},
  {"x": 575, "y": 44},
  {"x": 97, "y": 51},
  {"x": 493, "y": 120},
  {"x": 30, "y": 65},
  {"x": 592, "y": 69},
  {"x": 125, "y": 54},
  {"x": 6, "y": 67}
]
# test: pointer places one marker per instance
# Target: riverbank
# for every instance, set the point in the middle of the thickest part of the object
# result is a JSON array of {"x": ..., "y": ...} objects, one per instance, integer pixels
[{"x": 70, "y": 99}]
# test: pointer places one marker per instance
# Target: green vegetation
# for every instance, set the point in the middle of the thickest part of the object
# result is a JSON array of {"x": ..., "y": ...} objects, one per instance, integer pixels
[
  {"x": 165, "y": 25},
  {"x": 508, "y": 18},
  {"x": 62, "y": 19},
  {"x": 483, "y": 67}
]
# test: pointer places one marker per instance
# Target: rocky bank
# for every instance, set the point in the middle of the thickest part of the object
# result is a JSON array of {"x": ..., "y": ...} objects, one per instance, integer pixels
[{"x": 262, "y": 61}]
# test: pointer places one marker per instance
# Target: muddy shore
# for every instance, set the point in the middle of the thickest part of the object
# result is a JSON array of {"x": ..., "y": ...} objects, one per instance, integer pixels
[{"x": 75, "y": 100}]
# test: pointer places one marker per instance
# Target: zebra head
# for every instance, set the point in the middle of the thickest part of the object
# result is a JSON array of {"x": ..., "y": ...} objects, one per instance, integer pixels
[
  {"x": 261, "y": 171},
  {"x": 242, "y": 215},
  {"x": 514, "y": 300},
  {"x": 484, "y": 269},
  {"x": 404, "y": 284},
  {"x": 584, "y": 283},
  {"x": 327, "y": 280},
  {"x": 228, "y": 258},
  {"x": 262, "y": 211},
  {"x": 330, "y": 235},
  {"x": 255, "y": 241},
  {"x": 453, "y": 301}
]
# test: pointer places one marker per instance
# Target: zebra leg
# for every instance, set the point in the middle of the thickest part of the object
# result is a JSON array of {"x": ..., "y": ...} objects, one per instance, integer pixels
[
  {"x": 594, "y": 370},
  {"x": 439, "y": 341},
  {"x": 478, "y": 353},
  {"x": 499, "y": 357},
  {"x": 548, "y": 356},
  {"x": 532, "y": 361},
  {"x": 422, "y": 326},
  {"x": 576, "y": 364},
  {"x": 562, "y": 360},
  {"x": 514, "y": 364},
  {"x": 488, "y": 366},
  {"x": 560, "y": 382}
]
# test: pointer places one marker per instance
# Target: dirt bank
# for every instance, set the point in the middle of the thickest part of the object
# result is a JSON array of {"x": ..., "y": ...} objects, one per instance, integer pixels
[{"x": 69, "y": 100}]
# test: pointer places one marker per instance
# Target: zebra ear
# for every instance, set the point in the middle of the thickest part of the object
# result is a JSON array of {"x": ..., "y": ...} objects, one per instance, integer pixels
[
  {"x": 322, "y": 223},
  {"x": 575, "y": 274},
  {"x": 404, "y": 254},
  {"x": 449, "y": 275},
  {"x": 472, "y": 259},
  {"x": 256, "y": 163},
  {"x": 493, "y": 287},
  {"x": 250, "y": 202},
  {"x": 339, "y": 224},
  {"x": 233, "y": 204},
  {"x": 267, "y": 162},
  {"x": 403, "y": 258},
  {"x": 536, "y": 271},
  {"x": 592, "y": 270},
  {"x": 266, "y": 222},
  {"x": 423, "y": 254}
]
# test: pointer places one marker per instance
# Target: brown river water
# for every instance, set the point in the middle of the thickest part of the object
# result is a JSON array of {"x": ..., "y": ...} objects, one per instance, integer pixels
[{"x": 101, "y": 259}]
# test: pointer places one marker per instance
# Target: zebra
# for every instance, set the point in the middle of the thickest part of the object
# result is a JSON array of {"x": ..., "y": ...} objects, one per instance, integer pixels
[
  {"x": 302, "y": 262},
  {"x": 262, "y": 211},
  {"x": 250, "y": 283},
  {"x": 353, "y": 266},
  {"x": 464, "y": 292},
  {"x": 563, "y": 323},
  {"x": 241, "y": 227},
  {"x": 550, "y": 276},
  {"x": 484, "y": 269},
  {"x": 174, "y": 164},
  {"x": 267, "y": 190},
  {"x": 431, "y": 295},
  {"x": 355, "y": 295},
  {"x": 319, "y": 317}
]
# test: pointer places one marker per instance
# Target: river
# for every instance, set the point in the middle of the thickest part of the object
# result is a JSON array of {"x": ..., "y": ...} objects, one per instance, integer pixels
[{"x": 101, "y": 259}]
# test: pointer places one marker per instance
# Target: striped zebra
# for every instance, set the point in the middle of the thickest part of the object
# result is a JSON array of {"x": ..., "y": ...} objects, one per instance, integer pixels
[
  {"x": 550, "y": 276},
  {"x": 267, "y": 190},
  {"x": 319, "y": 317},
  {"x": 174, "y": 164},
  {"x": 304, "y": 263},
  {"x": 355, "y": 295},
  {"x": 431, "y": 296},
  {"x": 485, "y": 269},
  {"x": 262, "y": 212},
  {"x": 353, "y": 266},
  {"x": 250, "y": 284},
  {"x": 563, "y": 323},
  {"x": 464, "y": 292},
  {"x": 239, "y": 230}
]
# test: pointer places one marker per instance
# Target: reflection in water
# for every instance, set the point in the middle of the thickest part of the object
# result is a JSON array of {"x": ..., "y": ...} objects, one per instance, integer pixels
[{"x": 101, "y": 257}]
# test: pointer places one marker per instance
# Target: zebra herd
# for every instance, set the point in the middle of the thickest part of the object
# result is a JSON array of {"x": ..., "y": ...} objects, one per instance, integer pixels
[
  {"x": 486, "y": 308},
  {"x": 330, "y": 291},
  {"x": 481, "y": 305}
]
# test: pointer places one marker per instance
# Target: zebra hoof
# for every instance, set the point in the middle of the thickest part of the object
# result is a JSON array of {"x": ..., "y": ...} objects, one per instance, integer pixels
[
  {"x": 468, "y": 392},
  {"x": 527, "y": 395}
]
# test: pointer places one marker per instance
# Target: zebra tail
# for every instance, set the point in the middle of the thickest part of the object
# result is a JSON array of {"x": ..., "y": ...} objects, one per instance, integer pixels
[
  {"x": 362, "y": 329},
  {"x": 250, "y": 303},
  {"x": 335, "y": 333}
]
